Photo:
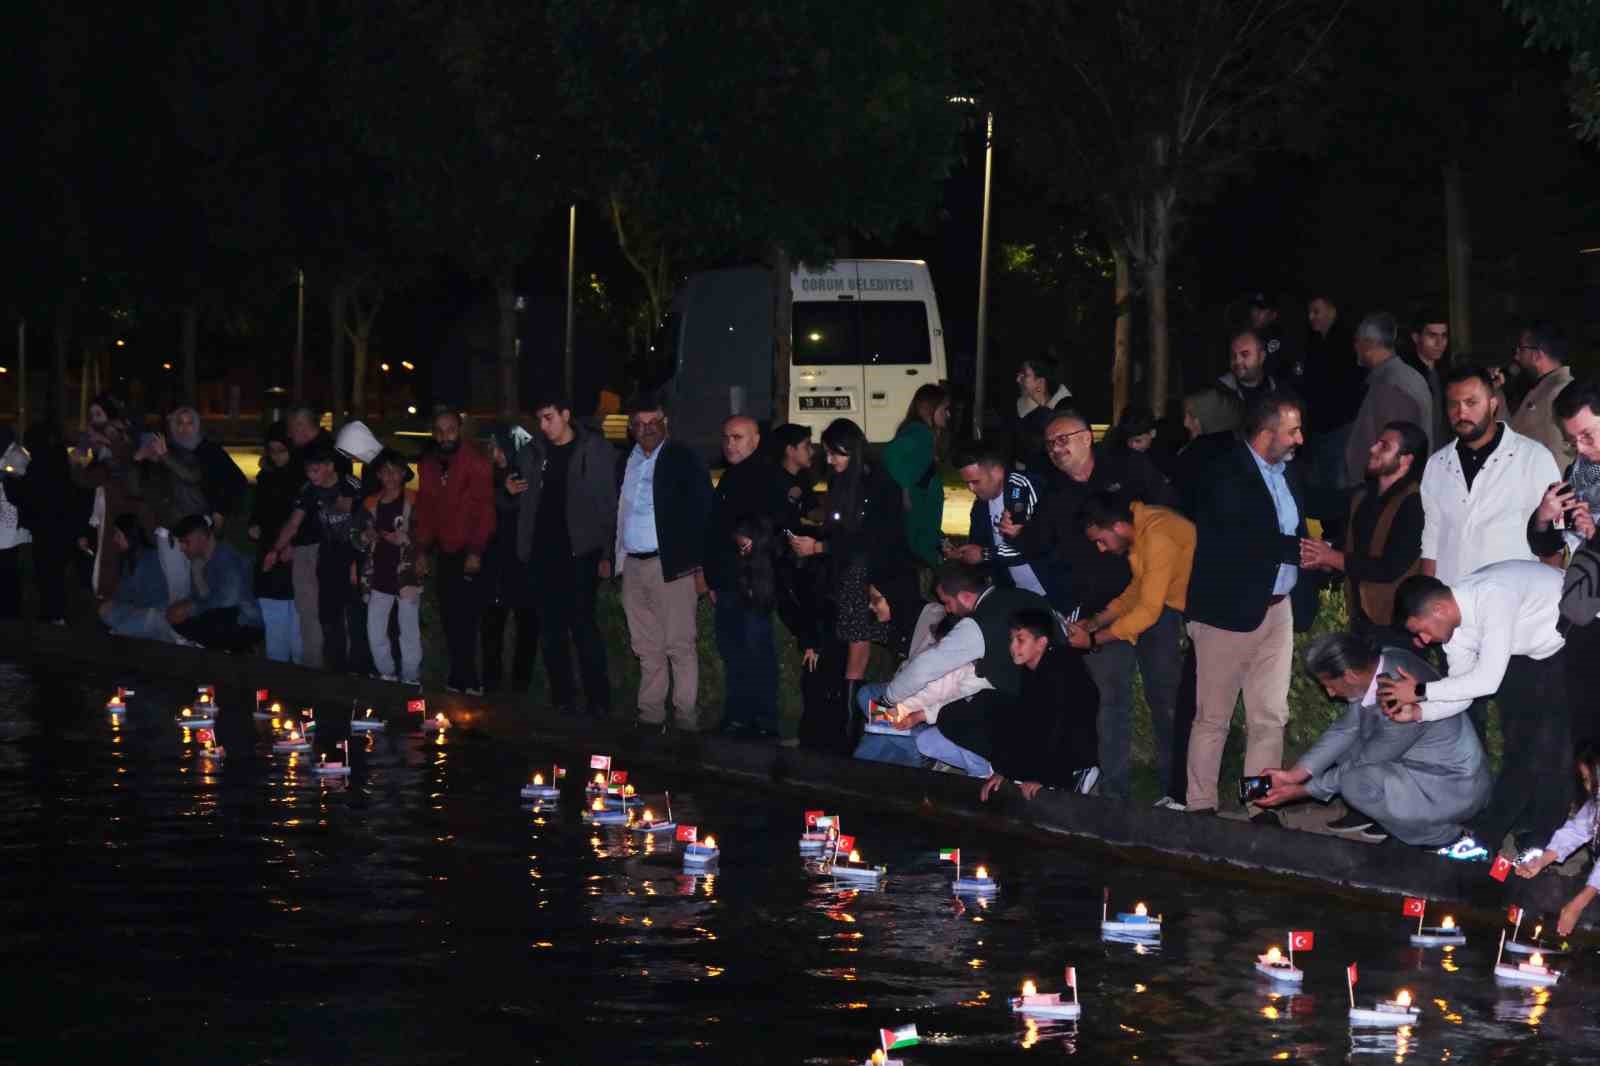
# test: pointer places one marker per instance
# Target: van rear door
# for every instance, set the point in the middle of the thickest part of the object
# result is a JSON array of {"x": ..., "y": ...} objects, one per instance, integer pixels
[
  {"x": 896, "y": 360},
  {"x": 827, "y": 380}
]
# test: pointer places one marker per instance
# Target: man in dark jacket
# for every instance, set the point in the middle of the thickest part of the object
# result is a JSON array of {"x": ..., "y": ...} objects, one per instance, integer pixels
[
  {"x": 750, "y": 498},
  {"x": 662, "y": 507},
  {"x": 304, "y": 428},
  {"x": 566, "y": 531},
  {"x": 998, "y": 490},
  {"x": 1248, "y": 528}
]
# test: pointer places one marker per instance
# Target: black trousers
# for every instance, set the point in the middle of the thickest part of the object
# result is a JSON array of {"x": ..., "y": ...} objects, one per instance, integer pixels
[
  {"x": 50, "y": 555},
  {"x": 568, "y": 613},
  {"x": 1183, "y": 711},
  {"x": 1534, "y": 789},
  {"x": 1583, "y": 676},
  {"x": 11, "y": 583},
  {"x": 460, "y": 608},
  {"x": 825, "y": 717},
  {"x": 524, "y": 652},
  {"x": 220, "y": 630}
]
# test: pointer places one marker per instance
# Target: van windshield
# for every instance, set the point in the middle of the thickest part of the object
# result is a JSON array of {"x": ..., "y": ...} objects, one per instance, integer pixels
[{"x": 870, "y": 332}]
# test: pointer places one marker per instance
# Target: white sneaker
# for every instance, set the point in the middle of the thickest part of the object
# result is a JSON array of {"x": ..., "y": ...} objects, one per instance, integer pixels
[
  {"x": 1084, "y": 781},
  {"x": 1167, "y": 803}
]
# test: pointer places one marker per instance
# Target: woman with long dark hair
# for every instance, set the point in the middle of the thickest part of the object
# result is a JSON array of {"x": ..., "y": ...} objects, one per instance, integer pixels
[
  {"x": 862, "y": 532},
  {"x": 912, "y": 460}
]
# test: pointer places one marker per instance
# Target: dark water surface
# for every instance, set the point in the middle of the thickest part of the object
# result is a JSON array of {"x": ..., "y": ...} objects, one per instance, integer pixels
[{"x": 157, "y": 910}]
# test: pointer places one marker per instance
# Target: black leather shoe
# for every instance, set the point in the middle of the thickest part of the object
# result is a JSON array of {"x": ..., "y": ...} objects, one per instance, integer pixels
[{"x": 1266, "y": 817}]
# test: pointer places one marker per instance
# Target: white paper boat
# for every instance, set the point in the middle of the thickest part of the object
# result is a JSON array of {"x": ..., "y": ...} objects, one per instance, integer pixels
[
  {"x": 1517, "y": 947},
  {"x": 976, "y": 886},
  {"x": 1138, "y": 926},
  {"x": 1523, "y": 973},
  {"x": 859, "y": 873},
  {"x": 700, "y": 855},
  {"x": 1045, "y": 1005},
  {"x": 1280, "y": 970},
  {"x": 653, "y": 827},
  {"x": 540, "y": 792},
  {"x": 367, "y": 725},
  {"x": 286, "y": 747},
  {"x": 607, "y": 817},
  {"x": 331, "y": 769},
  {"x": 1384, "y": 1016},
  {"x": 1435, "y": 936}
]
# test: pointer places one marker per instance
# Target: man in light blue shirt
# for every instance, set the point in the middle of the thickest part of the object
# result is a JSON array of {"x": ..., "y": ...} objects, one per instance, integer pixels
[{"x": 1277, "y": 478}]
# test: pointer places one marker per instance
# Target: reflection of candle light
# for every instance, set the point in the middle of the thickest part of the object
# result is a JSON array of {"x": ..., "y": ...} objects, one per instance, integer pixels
[
  {"x": 1403, "y": 998},
  {"x": 982, "y": 874},
  {"x": 1029, "y": 988},
  {"x": 1139, "y": 909},
  {"x": 855, "y": 856},
  {"x": 1448, "y": 923},
  {"x": 711, "y": 842},
  {"x": 1537, "y": 930},
  {"x": 538, "y": 779},
  {"x": 1273, "y": 954},
  {"x": 441, "y": 719},
  {"x": 1536, "y": 960}
]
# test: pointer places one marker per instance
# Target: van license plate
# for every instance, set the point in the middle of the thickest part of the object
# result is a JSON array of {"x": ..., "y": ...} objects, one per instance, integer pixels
[{"x": 824, "y": 403}]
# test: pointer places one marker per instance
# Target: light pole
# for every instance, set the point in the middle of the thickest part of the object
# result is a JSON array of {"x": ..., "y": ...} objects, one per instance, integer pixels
[
  {"x": 981, "y": 358},
  {"x": 572, "y": 251}
]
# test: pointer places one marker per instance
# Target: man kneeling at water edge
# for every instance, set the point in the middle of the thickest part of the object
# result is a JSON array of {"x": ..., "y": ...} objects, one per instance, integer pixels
[{"x": 1417, "y": 781}]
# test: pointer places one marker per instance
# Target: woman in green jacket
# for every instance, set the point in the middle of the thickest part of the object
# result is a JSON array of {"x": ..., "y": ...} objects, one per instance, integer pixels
[{"x": 912, "y": 460}]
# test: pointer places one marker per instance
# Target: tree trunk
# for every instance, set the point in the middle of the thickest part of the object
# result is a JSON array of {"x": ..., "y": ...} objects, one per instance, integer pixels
[
  {"x": 190, "y": 344},
  {"x": 782, "y": 332},
  {"x": 1155, "y": 288},
  {"x": 336, "y": 398},
  {"x": 1458, "y": 245},
  {"x": 505, "y": 287},
  {"x": 1121, "y": 345}
]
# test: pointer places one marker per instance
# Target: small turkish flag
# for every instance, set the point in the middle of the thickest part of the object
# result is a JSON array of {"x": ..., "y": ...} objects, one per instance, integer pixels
[
  {"x": 1500, "y": 868},
  {"x": 416, "y": 706},
  {"x": 812, "y": 816},
  {"x": 619, "y": 777},
  {"x": 1072, "y": 977},
  {"x": 1350, "y": 972},
  {"x": 600, "y": 762},
  {"x": 1414, "y": 907},
  {"x": 261, "y": 695},
  {"x": 1514, "y": 915},
  {"x": 847, "y": 844},
  {"x": 686, "y": 833},
  {"x": 1303, "y": 940}
]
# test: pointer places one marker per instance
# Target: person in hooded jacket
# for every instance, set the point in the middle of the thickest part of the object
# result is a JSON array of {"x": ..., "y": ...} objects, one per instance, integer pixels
[
  {"x": 508, "y": 586},
  {"x": 277, "y": 487}
]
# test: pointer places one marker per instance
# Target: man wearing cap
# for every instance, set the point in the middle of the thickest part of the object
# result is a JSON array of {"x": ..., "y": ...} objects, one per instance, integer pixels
[{"x": 1284, "y": 364}]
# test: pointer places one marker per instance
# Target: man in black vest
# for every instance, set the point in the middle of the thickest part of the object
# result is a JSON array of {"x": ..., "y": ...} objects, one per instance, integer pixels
[{"x": 983, "y": 636}]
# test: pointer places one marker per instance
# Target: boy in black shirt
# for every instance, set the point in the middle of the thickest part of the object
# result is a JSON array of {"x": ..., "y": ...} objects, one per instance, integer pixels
[
  {"x": 1047, "y": 736},
  {"x": 328, "y": 502}
]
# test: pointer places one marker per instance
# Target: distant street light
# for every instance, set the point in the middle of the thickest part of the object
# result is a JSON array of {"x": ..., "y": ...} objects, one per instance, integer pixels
[
  {"x": 383, "y": 367},
  {"x": 121, "y": 342},
  {"x": 407, "y": 364}
]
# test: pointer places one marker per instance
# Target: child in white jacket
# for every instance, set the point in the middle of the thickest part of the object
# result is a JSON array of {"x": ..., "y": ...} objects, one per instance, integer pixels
[{"x": 1580, "y": 829}]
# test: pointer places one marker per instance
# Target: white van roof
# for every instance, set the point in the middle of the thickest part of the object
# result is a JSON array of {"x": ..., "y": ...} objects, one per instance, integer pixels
[{"x": 864, "y": 279}]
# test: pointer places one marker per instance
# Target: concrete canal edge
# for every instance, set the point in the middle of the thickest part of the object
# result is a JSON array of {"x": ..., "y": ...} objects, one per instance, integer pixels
[{"x": 1327, "y": 870}]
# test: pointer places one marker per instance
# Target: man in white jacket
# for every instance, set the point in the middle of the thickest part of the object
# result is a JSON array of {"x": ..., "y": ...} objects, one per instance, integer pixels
[
  {"x": 1501, "y": 631},
  {"x": 1478, "y": 493}
]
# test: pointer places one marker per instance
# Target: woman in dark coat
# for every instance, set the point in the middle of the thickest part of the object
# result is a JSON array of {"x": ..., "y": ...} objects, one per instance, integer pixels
[{"x": 55, "y": 511}]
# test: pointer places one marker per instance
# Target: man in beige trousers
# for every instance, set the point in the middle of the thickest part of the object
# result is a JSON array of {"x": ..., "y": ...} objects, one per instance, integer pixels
[
  {"x": 662, "y": 513},
  {"x": 1248, "y": 520}
]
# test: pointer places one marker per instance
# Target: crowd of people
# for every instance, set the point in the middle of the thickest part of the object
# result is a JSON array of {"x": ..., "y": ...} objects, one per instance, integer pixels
[{"x": 1456, "y": 503}]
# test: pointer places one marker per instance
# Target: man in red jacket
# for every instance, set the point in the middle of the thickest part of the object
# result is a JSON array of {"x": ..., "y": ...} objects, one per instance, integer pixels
[{"x": 454, "y": 514}]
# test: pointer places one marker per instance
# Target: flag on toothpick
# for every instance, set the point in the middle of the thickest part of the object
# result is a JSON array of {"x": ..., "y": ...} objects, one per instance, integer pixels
[
  {"x": 1302, "y": 940},
  {"x": 262, "y": 695},
  {"x": 1414, "y": 907},
  {"x": 1072, "y": 978},
  {"x": 619, "y": 777},
  {"x": 950, "y": 855},
  {"x": 600, "y": 762},
  {"x": 1350, "y": 971},
  {"x": 904, "y": 1036},
  {"x": 558, "y": 773},
  {"x": 847, "y": 845},
  {"x": 826, "y": 821},
  {"x": 811, "y": 818},
  {"x": 686, "y": 833},
  {"x": 416, "y": 706},
  {"x": 1514, "y": 915},
  {"x": 1500, "y": 868}
]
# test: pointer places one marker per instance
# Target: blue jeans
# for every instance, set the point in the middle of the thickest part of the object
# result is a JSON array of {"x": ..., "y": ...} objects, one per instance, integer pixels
[
  {"x": 146, "y": 623},
  {"x": 934, "y": 745},
  {"x": 282, "y": 623},
  {"x": 749, "y": 663},
  {"x": 880, "y": 747}
]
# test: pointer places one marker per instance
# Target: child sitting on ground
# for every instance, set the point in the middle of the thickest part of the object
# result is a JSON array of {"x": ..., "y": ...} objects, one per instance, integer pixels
[{"x": 1580, "y": 829}]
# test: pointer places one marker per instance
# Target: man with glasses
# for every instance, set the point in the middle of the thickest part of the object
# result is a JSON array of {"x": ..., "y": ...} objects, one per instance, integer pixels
[
  {"x": 662, "y": 514},
  {"x": 1055, "y": 533},
  {"x": 1542, "y": 354}
]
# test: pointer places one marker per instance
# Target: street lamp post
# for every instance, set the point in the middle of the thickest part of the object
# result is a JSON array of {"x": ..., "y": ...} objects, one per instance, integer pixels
[
  {"x": 981, "y": 358},
  {"x": 572, "y": 250}
]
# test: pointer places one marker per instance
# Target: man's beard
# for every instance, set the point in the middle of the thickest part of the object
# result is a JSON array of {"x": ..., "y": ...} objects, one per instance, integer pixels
[
  {"x": 1473, "y": 431},
  {"x": 1384, "y": 470},
  {"x": 449, "y": 447}
]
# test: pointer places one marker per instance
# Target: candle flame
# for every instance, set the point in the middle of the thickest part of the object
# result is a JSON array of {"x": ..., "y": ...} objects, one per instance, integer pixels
[
  {"x": 277, "y": 708},
  {"x": 1273, "y": 954},
  {"x": 1140, "y": 910},
  {"x": 538, "y": 779},
  {"x": 1536, "y": 959},
  {"x": 599, "y": 804},
  {"x": 1403, "y": 998},
  {"x": 648, "y": 817},
  {"x": 600, "y": 779},
  {"x": 1029, "y": 988},
  {"x": 879, "y": 1058},
  {"x": 187, "y": 713},
  {"x": 627, "y": 790},
  {"x": 1537, "y": 930},
  {"x": 294, "y": 733},
  {"x": 711, "y": 842},
  {"x": 855, "y": 856},
  {"x": 1448, "y": 923},
  {"x": 982, "y": 874},
  {"x": 441, "y": 719}
]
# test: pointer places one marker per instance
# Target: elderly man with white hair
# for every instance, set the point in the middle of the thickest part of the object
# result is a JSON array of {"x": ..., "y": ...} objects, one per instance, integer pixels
[{"x": 1395, "y": 393}]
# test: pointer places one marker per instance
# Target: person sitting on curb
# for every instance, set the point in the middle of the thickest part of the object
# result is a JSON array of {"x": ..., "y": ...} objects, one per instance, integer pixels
[
  {"x": 1417, "y": 781},
  {"x": 1583, "y": 827},
  {"x": 1047, "y": 737}
]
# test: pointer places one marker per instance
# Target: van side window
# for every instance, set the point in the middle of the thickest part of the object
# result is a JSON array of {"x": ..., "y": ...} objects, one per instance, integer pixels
[{"x": 825, "y": 334}]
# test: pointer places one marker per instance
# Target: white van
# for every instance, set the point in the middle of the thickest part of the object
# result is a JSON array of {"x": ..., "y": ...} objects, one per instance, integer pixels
[{"x": 867, "y": 335}]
